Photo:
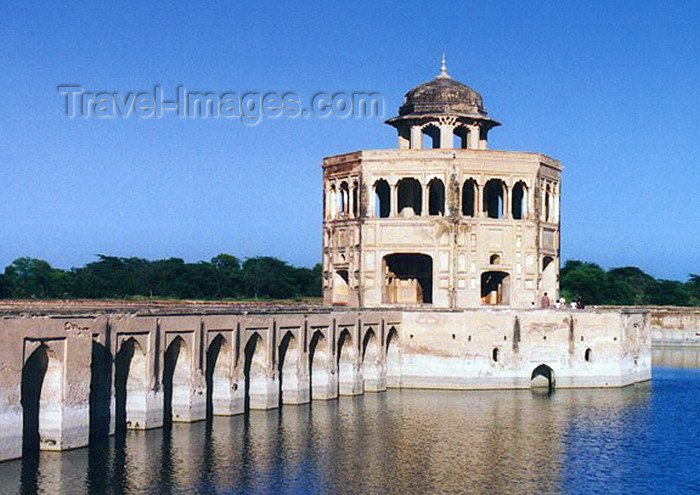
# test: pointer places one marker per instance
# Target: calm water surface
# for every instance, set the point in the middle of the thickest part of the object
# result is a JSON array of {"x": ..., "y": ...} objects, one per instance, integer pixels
[{"x": 640, "y": 439}]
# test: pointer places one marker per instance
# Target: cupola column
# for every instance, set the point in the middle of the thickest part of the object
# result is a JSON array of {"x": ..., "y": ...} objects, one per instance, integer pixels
[
  {"x": 416, "y": 138},
  {"x": 446, "y": 136},
  {"x": 473, "y": 137}
]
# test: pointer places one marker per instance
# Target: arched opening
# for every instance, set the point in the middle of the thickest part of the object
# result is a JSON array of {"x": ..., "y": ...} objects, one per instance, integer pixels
[
  {"x": 341, "y": 287},
  {"x": 588, "y": 355},
  {"x": 371, "y": 368},
  {"x": 495, "y": 354},
  {"x": 333, "y": 203},
  {"x": 436, "y": 197},
  {"x": 410, "y": 197},
  {"x": 218, "y": 375},
  {"x": 130, "y": 386},
  {"x": 382, "y": 199},
  {"x": 288, "y": 369},
  {"x": 493, "y": 198},
  {"x": 431, "y": 137},
  {"x": 469, "y": 198},
  {"x": 460, "y": 135},
  {"x": 519, "y": 208},
  {"x": 319, "y": 366},
  {"x": 495, "y": 288},
  {"x": 355, "y": 197},
  {"x": 255, "y": 370},
  {"x": 393, "y": 359},
  {"x": 495, "y": 259},
  {"x": 33, "y": 376},
  {"x": 408, "y": 279},
  {"x": 344, "y": 200},
  {"x": 346, "y": 362},
  {"x": 548, "y": 204},
  {"x": 100, "y": 391},
  {"x": 177, "y": 372},
  {"x": 542, "y": 377},
  {"x": 549, "y": 276}
]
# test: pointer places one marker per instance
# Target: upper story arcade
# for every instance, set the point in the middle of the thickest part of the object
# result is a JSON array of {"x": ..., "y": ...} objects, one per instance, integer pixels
[
  {"x": 441, "y": 221},
  {"x": 441, "y": 114}
]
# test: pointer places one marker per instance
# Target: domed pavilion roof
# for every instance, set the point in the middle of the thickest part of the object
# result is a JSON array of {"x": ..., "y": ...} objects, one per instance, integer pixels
[{"x": 443, "y": 96}]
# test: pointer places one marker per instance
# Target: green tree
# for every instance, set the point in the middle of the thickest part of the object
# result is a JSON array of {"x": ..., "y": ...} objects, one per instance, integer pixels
[
  {"x": 579, "y": 278},
  {"x": 265, "y": 276},
  {"x": 35, "y": 278},
  {"x": 692, "y": 287},
  {"x": 668, "y": 293},
  {"x": 228, "y": 274}
]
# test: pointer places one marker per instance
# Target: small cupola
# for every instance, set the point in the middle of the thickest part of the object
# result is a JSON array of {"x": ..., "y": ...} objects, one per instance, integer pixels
[{"x": 444, "y": 113}]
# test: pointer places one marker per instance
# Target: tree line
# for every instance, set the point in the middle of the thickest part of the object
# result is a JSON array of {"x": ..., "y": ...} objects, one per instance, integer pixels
[
  {"x": 265, "y": 277},
  {"x": 222, "y": 277},
  {"x": 625, "y": 286}
]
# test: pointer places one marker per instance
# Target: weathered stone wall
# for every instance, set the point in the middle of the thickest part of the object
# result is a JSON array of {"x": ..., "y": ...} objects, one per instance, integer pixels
[
  {"x": 675, "y": 326},
  {"x": 87, "y": 375}
]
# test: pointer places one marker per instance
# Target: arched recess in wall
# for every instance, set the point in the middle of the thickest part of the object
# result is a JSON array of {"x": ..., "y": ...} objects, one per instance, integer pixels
[
  {"x": 519, "y": 208},
  {"x": 346, "y": 358},
  {"x": 469, "y": 198},
  {"x": 255, "y": 368},
  {"x": 218, "y": 375},
  {"x": 341, "y": 287},
  {"x": 548, "y": 204},
  {"x": 319, "y": 363},
  {"x": 130, "y": 385},
  {"x": 177, "y": 375},
  {"x": 542, "y": 377},
  {"x": 549, "y": 276},
  {"x": 288, "y": 368},
  {"x": 494, "y": 191},
  {"x": 460, "y": 137},
  {"x": 382, "y": 199},
  {"x": 410, "y": 199},
  {"x": 431, "y": 136},
  {"x": 495, "y": 288},
  {"x": 393, "y": 359},
  {"x": 344, "y": 208},
  {"x": 370, "y": 360},
  {"x": 408, "y": 278},
  {"x": 34, "y": 395},
  {"x": 355, "y": 196},
  {"x": 100, "y": 391},
  {"x": 436, "y": 197}
]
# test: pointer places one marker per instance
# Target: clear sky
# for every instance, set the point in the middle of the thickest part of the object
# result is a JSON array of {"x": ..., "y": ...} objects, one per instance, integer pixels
[{"x": 609, "y": 88}]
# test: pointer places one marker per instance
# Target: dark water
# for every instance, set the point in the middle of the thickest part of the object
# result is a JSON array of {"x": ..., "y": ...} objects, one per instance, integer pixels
[{"x": 641, "y": 439}]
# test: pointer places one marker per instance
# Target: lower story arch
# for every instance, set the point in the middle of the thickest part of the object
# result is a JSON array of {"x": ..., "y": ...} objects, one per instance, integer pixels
[{"x": 543, "y": 377}]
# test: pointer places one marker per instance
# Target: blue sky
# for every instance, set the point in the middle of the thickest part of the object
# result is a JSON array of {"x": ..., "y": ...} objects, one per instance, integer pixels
[{"x": 609, "y": 88}]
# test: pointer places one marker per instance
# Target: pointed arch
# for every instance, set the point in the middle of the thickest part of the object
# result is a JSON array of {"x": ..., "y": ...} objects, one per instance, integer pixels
[
  {"x": 430, "y": 136},
  {"x": 218, "y": 375},
  {"x": 319, "y": 366},
  {"x": 436, "y": 197},
  {"x": 393, "y": 359},
  {"x": 469, "y": 189},
  {"x": 382, "y": 199},
  {"x": 255, "y": 371},
  {"x": 130, "y": 385},
  {"x": 177, "y": 376},
  {"x": 520, "y": 200},
  {"x": 42, "y": 400},
  {"x": 371, "y": 362},
  {"x": 289, "y": 369}
]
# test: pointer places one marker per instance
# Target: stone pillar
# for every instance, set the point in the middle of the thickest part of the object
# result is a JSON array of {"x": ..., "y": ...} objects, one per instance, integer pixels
[
  {"x": 416, "y": 138},
  {"x": 374, "y": 375},
  {"x": 264, "y": 393},
  {"x": 446, "y": 139},
  {"x": 425, "y": 200},
  {"x": 351, "y": 201},
  {"x": 473, "y": 137},
  {"x": 394, "y": 198},
  {"x": 506, "y": 201},
  {"x": 350, "y": 380}
]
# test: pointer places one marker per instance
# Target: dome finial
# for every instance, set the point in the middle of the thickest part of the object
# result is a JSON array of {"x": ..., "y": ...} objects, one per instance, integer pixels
[{"x": 443, "y": 69}]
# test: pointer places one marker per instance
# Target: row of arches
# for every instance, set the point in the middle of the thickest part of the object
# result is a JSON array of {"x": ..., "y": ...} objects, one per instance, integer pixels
[
  {"x": 493, "y": 200},
  {"x": 369, "y": 363},
  {"x": 443, "y": 135},
  {"x": 342, "y": 202}
]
